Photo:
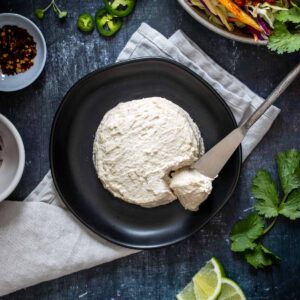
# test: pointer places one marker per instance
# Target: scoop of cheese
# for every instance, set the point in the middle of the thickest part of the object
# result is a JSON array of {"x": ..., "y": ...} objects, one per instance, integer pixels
[
  {"x": 191, "y": 187},
  {"x": 138, "y": 144}
]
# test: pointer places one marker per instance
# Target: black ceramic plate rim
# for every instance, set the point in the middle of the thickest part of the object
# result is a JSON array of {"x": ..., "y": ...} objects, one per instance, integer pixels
[{"x": 111, "y": 66}]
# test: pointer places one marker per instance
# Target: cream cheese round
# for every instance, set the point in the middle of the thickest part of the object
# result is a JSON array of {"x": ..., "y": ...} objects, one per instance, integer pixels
[{"x": 138, "y": 143}]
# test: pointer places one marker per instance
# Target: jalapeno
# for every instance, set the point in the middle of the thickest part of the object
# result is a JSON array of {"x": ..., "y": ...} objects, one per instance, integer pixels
[
  {"x": 106, "y": 23},
  {"x": 85, "y": 22},
  {"x": 120, "y": 8}
]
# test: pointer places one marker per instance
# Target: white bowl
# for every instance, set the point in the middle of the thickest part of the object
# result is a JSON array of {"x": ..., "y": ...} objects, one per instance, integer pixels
[
  {"x": 202, "y": 19},
  {"x": 22, "y": 80},
  {"x": 12, "y": 157}
]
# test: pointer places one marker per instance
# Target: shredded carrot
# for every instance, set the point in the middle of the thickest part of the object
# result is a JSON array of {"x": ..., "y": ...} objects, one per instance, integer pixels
[
  {"x": 233, "y": 20},
  {"x": 240, "y": 14},
  {"x": 255, "y": 37}
]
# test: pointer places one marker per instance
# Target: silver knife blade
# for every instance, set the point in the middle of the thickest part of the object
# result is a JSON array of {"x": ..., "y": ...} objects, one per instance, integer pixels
[{"x": 213, "y": 161}]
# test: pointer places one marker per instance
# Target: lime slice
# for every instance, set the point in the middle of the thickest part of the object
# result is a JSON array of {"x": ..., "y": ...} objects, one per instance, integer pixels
[
  {"x": 187, "y": 293},
  {"x": 230, "y": 291},
  {"x": 207, "y": 282}
]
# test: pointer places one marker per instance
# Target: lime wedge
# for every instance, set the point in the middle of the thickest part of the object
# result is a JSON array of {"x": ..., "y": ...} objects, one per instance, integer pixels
[
  {"x": 187, "y": 293},
  {"x": 230, "y": 291},
  {"x": 207, "y": 282}
]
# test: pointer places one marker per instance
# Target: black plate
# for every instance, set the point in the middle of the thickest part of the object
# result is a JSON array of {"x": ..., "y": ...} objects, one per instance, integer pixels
[{"x": 72, "y": 139}]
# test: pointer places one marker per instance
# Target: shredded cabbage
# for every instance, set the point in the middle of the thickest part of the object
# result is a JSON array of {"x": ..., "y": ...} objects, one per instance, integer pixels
[
  {"x": 216, "y": 13},
  {"x": 197, "y": 3},
  {"x": 219, "y": 15},
  {"x": 223, "y": 15},
  {"x": 266, "y": 11}
]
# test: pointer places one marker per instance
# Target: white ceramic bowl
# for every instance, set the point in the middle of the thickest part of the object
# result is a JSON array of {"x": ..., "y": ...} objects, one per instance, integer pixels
[
  {"x": 202, "y": 19},
  {"x": 20, "y": 81},
  {"x": 12, "y": 157}
]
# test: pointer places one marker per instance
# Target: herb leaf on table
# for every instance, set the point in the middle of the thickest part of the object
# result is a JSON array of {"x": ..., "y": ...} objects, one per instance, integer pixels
[
  {"x": 289, "y": 170},
  {"x": 291, "y": 208},
  {"x": 264, "y": 190},
  {"x": 40, "y": 13},
  {"x": 260, "y": 257},
  {"x": 245, "y": 234}
]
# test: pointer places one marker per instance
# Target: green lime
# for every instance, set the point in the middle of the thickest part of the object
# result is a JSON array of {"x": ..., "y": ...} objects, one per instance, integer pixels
[
  {"x": 187, "y": 293},
  {"x": 208, "y": 281},
  {"x": 231, "y": 291}
]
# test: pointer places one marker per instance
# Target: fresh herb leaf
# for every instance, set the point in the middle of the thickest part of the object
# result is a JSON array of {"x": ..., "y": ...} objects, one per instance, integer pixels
[
  {"x": 39, "y": 13},
  {"x": 62, "y": 14},
  {"x": 291, "y": 15},
  {"x": 291, "y": 208},
  {"x": 284, "y": 40},
  {"x": 286, "y": 34},
  {"x": 245, "y": 232},
  {"x": 264, "y": 190},
  {"x": 260, "y": 257},
  {"x": 289, "y": 169}
]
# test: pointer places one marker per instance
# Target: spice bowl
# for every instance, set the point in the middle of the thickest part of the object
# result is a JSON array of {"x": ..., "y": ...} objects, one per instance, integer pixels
[
  {"x": 12, "y": 157},
  {"x": 19, "y": 81}
]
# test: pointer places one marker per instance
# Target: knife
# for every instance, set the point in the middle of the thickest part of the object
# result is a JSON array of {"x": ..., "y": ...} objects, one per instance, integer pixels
[{"x": 213, "y": 161}]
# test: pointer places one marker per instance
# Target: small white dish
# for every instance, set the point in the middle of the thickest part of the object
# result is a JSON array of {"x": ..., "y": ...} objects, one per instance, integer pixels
[
  {"x": 22, "y": 80},
  {"x": 12, "y": 157}
]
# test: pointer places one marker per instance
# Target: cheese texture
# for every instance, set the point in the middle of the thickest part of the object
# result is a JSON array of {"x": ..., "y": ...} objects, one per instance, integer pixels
[
  {"x": 138, "y": 143},
  {"x": 191, "y": 187}
]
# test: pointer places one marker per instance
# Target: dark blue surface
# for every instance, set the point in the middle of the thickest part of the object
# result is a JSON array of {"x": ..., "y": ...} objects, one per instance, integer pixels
[{"x": 158, "y": 274}]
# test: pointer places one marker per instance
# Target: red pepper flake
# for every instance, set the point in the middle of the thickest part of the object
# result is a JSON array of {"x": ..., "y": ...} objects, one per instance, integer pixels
[
  {"x": 17, "y": 50},
  {"x": 242, "y": 3},
  {"x": 255, "y": 2}
]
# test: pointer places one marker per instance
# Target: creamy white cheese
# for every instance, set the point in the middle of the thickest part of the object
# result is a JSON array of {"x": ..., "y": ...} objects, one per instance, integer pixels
[
  {"x": 138, "y": 144},
  {"x": 191, "y": 187}
]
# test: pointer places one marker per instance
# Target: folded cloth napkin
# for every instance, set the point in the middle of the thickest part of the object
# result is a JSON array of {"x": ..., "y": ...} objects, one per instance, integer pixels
[{"x": 40, "y": 240}]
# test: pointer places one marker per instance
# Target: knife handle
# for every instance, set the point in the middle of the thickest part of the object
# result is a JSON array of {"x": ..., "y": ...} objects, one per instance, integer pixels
[{"x": 272, "y": 98}]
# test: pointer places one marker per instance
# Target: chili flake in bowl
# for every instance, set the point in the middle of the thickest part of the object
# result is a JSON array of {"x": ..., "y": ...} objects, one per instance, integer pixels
[
  {"x": 22, "y": 52},
  {"x": 17, "y": 50}
]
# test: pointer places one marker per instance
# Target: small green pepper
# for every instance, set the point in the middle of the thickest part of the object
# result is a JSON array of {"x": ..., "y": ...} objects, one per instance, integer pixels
[
  {"x": 106, "y": 23},
  {"x": 119, "y": 8},
  {"x": 85, "y": 22}
]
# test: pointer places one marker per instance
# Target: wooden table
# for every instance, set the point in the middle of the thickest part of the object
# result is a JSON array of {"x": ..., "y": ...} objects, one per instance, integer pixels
[{"x": 158, "y": 274}]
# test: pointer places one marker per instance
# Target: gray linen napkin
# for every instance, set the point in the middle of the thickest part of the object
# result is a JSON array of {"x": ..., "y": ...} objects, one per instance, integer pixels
[{"x": 40, "y": 240}]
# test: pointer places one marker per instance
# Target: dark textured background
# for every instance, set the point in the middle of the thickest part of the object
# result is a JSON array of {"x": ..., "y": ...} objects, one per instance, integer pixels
[{"x": 157, "y": 274}]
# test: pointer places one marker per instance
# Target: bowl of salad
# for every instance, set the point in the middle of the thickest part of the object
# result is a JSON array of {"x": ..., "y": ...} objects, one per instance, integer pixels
[{"x": 275, "y": 23}]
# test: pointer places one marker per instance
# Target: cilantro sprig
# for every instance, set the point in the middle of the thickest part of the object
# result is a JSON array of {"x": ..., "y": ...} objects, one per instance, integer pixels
[
  {"x": 285, "y": 37},
  {"x": 40, "y": 12},
  {"x": 270, "y": 204}
]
